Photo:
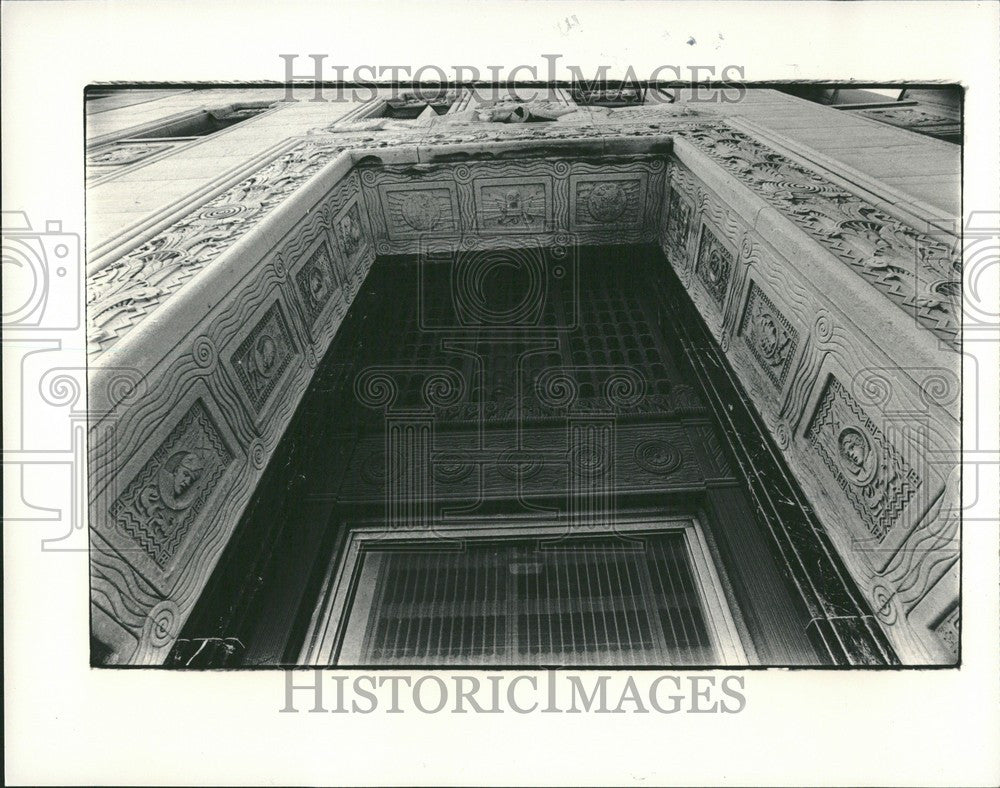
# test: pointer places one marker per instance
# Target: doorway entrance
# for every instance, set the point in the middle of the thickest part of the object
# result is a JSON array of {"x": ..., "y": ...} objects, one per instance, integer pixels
[{"x": 527, "y": 418}]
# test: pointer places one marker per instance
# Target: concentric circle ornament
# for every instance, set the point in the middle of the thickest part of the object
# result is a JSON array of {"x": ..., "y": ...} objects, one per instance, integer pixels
[
  {"x": 258, "y": 454},
  {"x": 228, "y": 212},
  {"x": 451, "y": 469},
  {"x": 588, "y": 461},
  {"x": 657, "y": 456},
  {"x": 515, "y": 465},
  {"x": 823, "y": 326},
  {"x": 204, "y": 352},
  {"x": 882, "y": 604},
  {"x": 26, "y": 281},
  {"x": 163, "y": 623}
]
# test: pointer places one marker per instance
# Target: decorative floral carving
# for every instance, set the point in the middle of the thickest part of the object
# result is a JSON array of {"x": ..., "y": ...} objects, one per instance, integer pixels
[
  {"x": 909, "y": 117},
  {"x": 121, "y": 154},
  {"x": 715, "y": 265},
  {"x": 452, "y": 468},
  {"x": 123, "y": 293},
  {"x": 876, "y": 479},
  {"x": 769, "y": 335},
  {"x": 160, "y": 505},
  {"x": 263, "y": 356},
  {"x": 898, "y": 261}
]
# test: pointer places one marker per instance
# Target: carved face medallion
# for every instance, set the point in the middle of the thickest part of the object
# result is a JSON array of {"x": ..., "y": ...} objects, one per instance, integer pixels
[
  {"x": 714, "y": 266},
  {"x": 318, "y": 286},
  {"x": 857, "y": 460},
  {"x": 177, "y": 479},
  {"x": 265, "y": 354},
  {"x": 350, "y": 233}
]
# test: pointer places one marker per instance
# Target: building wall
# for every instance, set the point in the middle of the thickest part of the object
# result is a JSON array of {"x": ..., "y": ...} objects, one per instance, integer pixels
[{"x": 831, "y": 293}]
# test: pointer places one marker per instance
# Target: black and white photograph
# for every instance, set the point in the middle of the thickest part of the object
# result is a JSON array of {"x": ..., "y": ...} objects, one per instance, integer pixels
[
  {"x": 524, "y": 376},
  {"x": 650, "y": 384}
]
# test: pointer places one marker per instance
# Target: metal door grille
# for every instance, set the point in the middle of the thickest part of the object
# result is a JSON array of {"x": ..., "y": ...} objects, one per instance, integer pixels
[{"x": 585, "y": 602}]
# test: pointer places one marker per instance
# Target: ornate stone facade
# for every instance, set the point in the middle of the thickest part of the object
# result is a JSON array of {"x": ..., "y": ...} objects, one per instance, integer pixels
[{"x": 285, "y": 247}]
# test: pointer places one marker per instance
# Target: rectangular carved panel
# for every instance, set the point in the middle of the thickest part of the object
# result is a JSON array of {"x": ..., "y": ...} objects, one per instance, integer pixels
[
  {"x": 412, "y": 211},
  {"x": 678, "y": 227},
  {"x": 602, "y": 201},
  {"x": 715, "y": 265},
  {"x": 316, "y": 282},
  {"x": 159, "y": 506},
  {"x": 769, "y": 335},
  {"x": 516, "y": 206},
  {"x": 869, "y": 469},
  {"x": 349, "y": 233},
  {"x": 263, "y": 356}
]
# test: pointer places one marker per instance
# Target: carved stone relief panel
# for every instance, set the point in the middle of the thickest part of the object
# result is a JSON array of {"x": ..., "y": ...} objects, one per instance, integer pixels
[
  {"x": 160, "y": 504},
  {"x": 910, "y": 268},
  {"x": 413, "y": 210},
  {"x": 515, "y": 205},
  {"x": 110, "y": 158},
  {"x": 714, "y": 265},
  {"x": 317, "y": 282},
  {"x": 873, "y": 475},
  {"x": 680, "y": 214},
  {"x": 503, "y": 203},
  {"x": 769, "y": 334},
  {"x": 600, "y": 201},
  {"x": 126, "y": 291},
  {"x": 262, "y": 357},
  {"x": 351, "y": 236}
]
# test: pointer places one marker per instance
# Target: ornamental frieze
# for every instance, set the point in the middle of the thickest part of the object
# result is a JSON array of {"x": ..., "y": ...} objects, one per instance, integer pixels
[
  {"x": 915, "y": 271},
  {"x": 918, "y": 273}
]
